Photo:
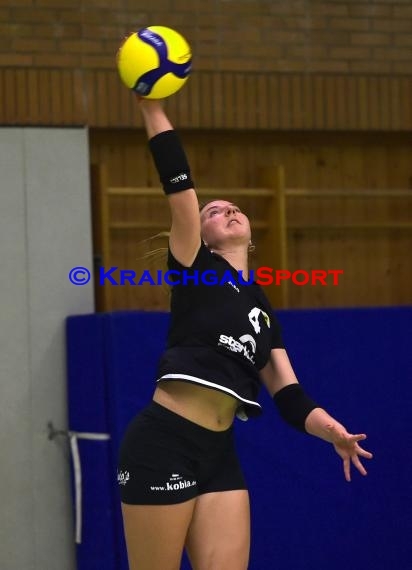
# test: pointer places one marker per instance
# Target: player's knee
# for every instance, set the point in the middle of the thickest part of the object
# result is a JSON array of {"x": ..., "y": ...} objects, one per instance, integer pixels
[{"x": 230, "y": 557}]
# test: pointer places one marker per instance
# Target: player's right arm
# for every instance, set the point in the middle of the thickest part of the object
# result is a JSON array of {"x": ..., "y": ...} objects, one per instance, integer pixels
[{"x": 171, "y": 164}]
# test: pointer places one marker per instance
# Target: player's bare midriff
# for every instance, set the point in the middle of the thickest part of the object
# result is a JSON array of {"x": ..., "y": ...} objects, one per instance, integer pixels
[{"x": 207, "y": 407}]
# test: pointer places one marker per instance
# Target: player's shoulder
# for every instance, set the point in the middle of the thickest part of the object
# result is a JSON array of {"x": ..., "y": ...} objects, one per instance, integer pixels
[{"x": 204, "y": 258}]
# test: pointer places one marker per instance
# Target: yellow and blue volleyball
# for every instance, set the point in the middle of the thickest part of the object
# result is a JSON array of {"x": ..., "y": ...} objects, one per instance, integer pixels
[{"x": 155, "y": 62}]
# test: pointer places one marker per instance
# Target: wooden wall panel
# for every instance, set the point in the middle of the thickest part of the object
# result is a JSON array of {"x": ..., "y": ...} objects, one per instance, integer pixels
[
  {"x": 231, "y": 100},
  {"x": 376, "y": 260}
]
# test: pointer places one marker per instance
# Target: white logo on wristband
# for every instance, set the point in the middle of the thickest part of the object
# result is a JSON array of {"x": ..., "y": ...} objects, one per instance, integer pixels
[{"x": 179, "y": 178}]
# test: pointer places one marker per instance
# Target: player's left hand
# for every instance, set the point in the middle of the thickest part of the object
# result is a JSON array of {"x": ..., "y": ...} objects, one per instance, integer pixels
[{"x": 347, "y": 447}]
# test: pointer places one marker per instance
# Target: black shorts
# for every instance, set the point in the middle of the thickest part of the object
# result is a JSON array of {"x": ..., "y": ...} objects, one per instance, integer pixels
[{"x": 166, "y": 459}]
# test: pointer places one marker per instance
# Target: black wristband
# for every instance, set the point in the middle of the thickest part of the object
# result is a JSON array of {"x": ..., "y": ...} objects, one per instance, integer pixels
[
  {"x": 294, "y": 405},
  {"x": 171, "y": 162}
]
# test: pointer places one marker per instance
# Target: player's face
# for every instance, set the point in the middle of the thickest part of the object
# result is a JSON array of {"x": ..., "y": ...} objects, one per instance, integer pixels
[{"x": 222, "y": 222}]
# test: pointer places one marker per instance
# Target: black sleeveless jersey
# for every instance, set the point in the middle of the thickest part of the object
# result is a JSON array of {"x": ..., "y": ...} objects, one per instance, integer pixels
[{"x": 221, "y": 331}]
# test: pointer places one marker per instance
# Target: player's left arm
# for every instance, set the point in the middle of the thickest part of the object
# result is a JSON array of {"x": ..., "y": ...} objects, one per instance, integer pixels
[
  {"x": 278, "y": 371},
  {"x": 300, "y": 411}
]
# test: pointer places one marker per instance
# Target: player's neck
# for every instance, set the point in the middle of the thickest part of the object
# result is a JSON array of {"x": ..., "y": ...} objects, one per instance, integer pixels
[{"x": 237, "y": 257}]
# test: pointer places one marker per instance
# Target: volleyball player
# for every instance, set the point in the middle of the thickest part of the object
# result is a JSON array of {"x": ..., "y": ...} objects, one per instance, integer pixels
[{"x": 180, "y": 480}]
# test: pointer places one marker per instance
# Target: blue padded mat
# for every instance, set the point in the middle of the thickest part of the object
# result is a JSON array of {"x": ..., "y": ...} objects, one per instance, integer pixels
[{"x": 357, "y": 363}]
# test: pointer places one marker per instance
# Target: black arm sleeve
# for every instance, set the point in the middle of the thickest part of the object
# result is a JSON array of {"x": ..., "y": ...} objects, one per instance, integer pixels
[
  {"x": 171, "y": 162},
  {"x": 294, "y": 405}
]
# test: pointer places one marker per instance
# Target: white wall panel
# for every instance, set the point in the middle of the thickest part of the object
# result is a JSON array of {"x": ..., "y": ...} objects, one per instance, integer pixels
[{"x": 45, "y": 229}]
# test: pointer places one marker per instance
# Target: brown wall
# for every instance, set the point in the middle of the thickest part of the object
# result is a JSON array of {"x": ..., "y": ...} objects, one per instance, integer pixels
[
  {"x": 268, "y": 35},
  {"x": 265, "y": 73},
  {"x": 374, "y": 255},
  {"x": 312, "y": 64}
]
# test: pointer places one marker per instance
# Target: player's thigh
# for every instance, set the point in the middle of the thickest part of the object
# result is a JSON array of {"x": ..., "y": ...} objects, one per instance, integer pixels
[
  {"x": 155, "y": 534},
  {"x": 219, "y": 533}
]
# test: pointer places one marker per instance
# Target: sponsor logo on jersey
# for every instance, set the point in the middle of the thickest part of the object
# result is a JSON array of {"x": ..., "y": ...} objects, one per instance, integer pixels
[
  {"x": 246, "y": 345},
  {"x": 233, "y": 285},
  {"x": 254, "y": 318}
]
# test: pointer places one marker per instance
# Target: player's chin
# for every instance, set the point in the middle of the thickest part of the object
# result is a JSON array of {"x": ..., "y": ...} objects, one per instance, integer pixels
[
  {"x": 238, "y": 238},
  {"x": 238, "y": 229}
]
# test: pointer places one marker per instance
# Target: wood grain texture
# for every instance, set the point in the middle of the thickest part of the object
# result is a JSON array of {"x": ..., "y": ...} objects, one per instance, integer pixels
[
  {"x": 347, "y": 205},
  {"x": 212, "y": 99}
]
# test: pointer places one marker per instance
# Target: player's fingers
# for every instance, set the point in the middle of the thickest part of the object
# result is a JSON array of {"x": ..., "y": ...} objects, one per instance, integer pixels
[
  {"x": 363, "y": 452},
  {"x": 357, "y": 437},
  {"x": 358, "y": 465},
  {"x": 346, "y": 468}
]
